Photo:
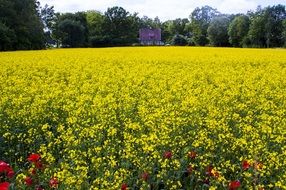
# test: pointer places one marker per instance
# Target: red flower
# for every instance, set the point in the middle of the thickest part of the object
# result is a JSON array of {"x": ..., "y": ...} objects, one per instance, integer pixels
[
  {"x": 39, "y": 165},
  {"x": 190, "y": 169},
  {"x": 168, "y": 154},
  {"x": 245, "y": 165},
  {"x": 145, "y": 176},
  {"x": 4, "y": 186},
  {"x": 6, "y": 168},
  {"x": 28, "y": 181},
  {"x": 233, "y": 185},
  {"x": 10, "y": 173},
  {"x": 192, "y": 154},
  {"x": 54, "y": 182},
  {"x": 34, "y": 158},
  {"x": 124, "y": 186}
]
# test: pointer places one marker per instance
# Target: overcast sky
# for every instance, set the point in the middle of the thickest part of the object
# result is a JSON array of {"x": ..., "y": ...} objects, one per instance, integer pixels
[{"x": 164, "y": 9}]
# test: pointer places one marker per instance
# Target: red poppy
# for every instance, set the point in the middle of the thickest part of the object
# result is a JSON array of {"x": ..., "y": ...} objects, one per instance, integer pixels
[
  {"x": 192, "y": 154},
  {"x": 245, "y": 165},
  {"x": 190, "y": 169},
  {"x": 4, "y": 186},
  {"x": 34, "y": 158},
  {"x": 39, "y": 165},
  {"x": 168, "y": 154},
  {"x": 54, "y": 182},
  {"x": 6, "y": 168},
  {"x": 28, "y": 181},
  {"x": 145, "y": 176},
  {"x": 233, "y": 185},
  {"x": 10, "y": 173},
  {"x": 124, "y": 186}
]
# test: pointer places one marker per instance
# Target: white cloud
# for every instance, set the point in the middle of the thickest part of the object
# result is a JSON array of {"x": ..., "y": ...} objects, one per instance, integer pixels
[
  {"x": 167, "y": 9},
  {"x": 236, "y": 6}
]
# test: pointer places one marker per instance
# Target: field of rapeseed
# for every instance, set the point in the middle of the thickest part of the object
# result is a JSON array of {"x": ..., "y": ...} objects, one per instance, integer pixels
[{"x": 143, "y": 118}]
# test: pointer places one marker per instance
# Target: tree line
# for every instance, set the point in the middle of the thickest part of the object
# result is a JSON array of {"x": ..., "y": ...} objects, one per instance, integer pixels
[{"x": 24, "y": 24}]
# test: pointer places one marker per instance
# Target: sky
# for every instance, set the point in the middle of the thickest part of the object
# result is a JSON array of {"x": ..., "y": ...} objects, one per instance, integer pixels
[{"x": 164, "y": 9}]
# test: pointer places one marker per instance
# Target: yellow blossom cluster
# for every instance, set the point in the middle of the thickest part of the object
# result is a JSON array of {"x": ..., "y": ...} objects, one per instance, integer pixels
[{"x": 183, "y": 118}]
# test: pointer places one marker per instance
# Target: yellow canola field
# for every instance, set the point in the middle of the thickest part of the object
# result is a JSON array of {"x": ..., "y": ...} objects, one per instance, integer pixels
[{"x": 147, "y": 118}]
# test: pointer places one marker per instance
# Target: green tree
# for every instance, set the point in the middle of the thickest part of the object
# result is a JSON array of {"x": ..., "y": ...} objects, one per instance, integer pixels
[
  {"x": 217, "y": 31},
  {"x": 200, "y": 19},
  {"x": 274, "y": 17},
  {"x": 95, "y": 22},
  {"x": 73, "y": 33},
  {"x": 238, "y": 30},
  {"x": 284, "y": 32},
  {"x": 256, "y": 33},
  {"x": 7, "y": 37},
  {"x": 120, "y": 27},
  {"x": 22, "y": 19},
  {"x": 266, "y": 28},
  {"x": 71, "y": 29},
  {"x": 48, "y": 17},
  {"x": 178, "y": 26},
  {"x": 179, "y": 40}
]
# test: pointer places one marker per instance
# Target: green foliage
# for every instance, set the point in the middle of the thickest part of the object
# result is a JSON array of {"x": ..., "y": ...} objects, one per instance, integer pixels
[
  {"x": 200, "y": 20},
  {"x": 95, "y": 21},
  {"x": 7, "y": 37},
  {"x": 22, "y": 22},
  {"x": 284, "y": 32},
  {"x": 217, "y": 31},
  {"x": 266, "y": 28},
  {"x": 120, "y": 27},
  {"x": 71, "y": 29},
  {"x": 73, "y": 33},
  {"x": 179, "y": 40},
  {"x": 238, "y": 30},
  {"x": 26, "y": 25}
]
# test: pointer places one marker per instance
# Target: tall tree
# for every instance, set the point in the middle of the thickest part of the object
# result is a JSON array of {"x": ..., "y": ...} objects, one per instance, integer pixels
[
  {"x": 22, "y": 19},
  {"x": 274, "y": 17},
  {"x": 266, "y": 26},
  {"x": 217, "y": 31},
  {"x": 95, "y": 21},
  {"x": 71, "y": 29},
  {"x": 200, "y": 20},
  {"x": 48, "y": 17},
  {"x": 238, "y": 30},
  {"x": 256, "y": 33},
  {"x": 284, "y": 33},
  {"x": 178, "y": 26},
  {"x": 120, "y": 26}
]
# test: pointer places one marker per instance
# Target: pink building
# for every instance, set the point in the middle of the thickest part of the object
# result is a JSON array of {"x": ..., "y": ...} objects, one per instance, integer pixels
[{"x": 150, "y": 36}]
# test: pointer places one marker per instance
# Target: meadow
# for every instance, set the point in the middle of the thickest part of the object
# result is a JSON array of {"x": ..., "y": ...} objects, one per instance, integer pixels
[{"x": 144, "y": 118}]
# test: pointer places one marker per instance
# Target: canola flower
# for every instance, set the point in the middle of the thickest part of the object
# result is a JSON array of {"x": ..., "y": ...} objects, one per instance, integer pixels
[{"x": 146, "y": 118}]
